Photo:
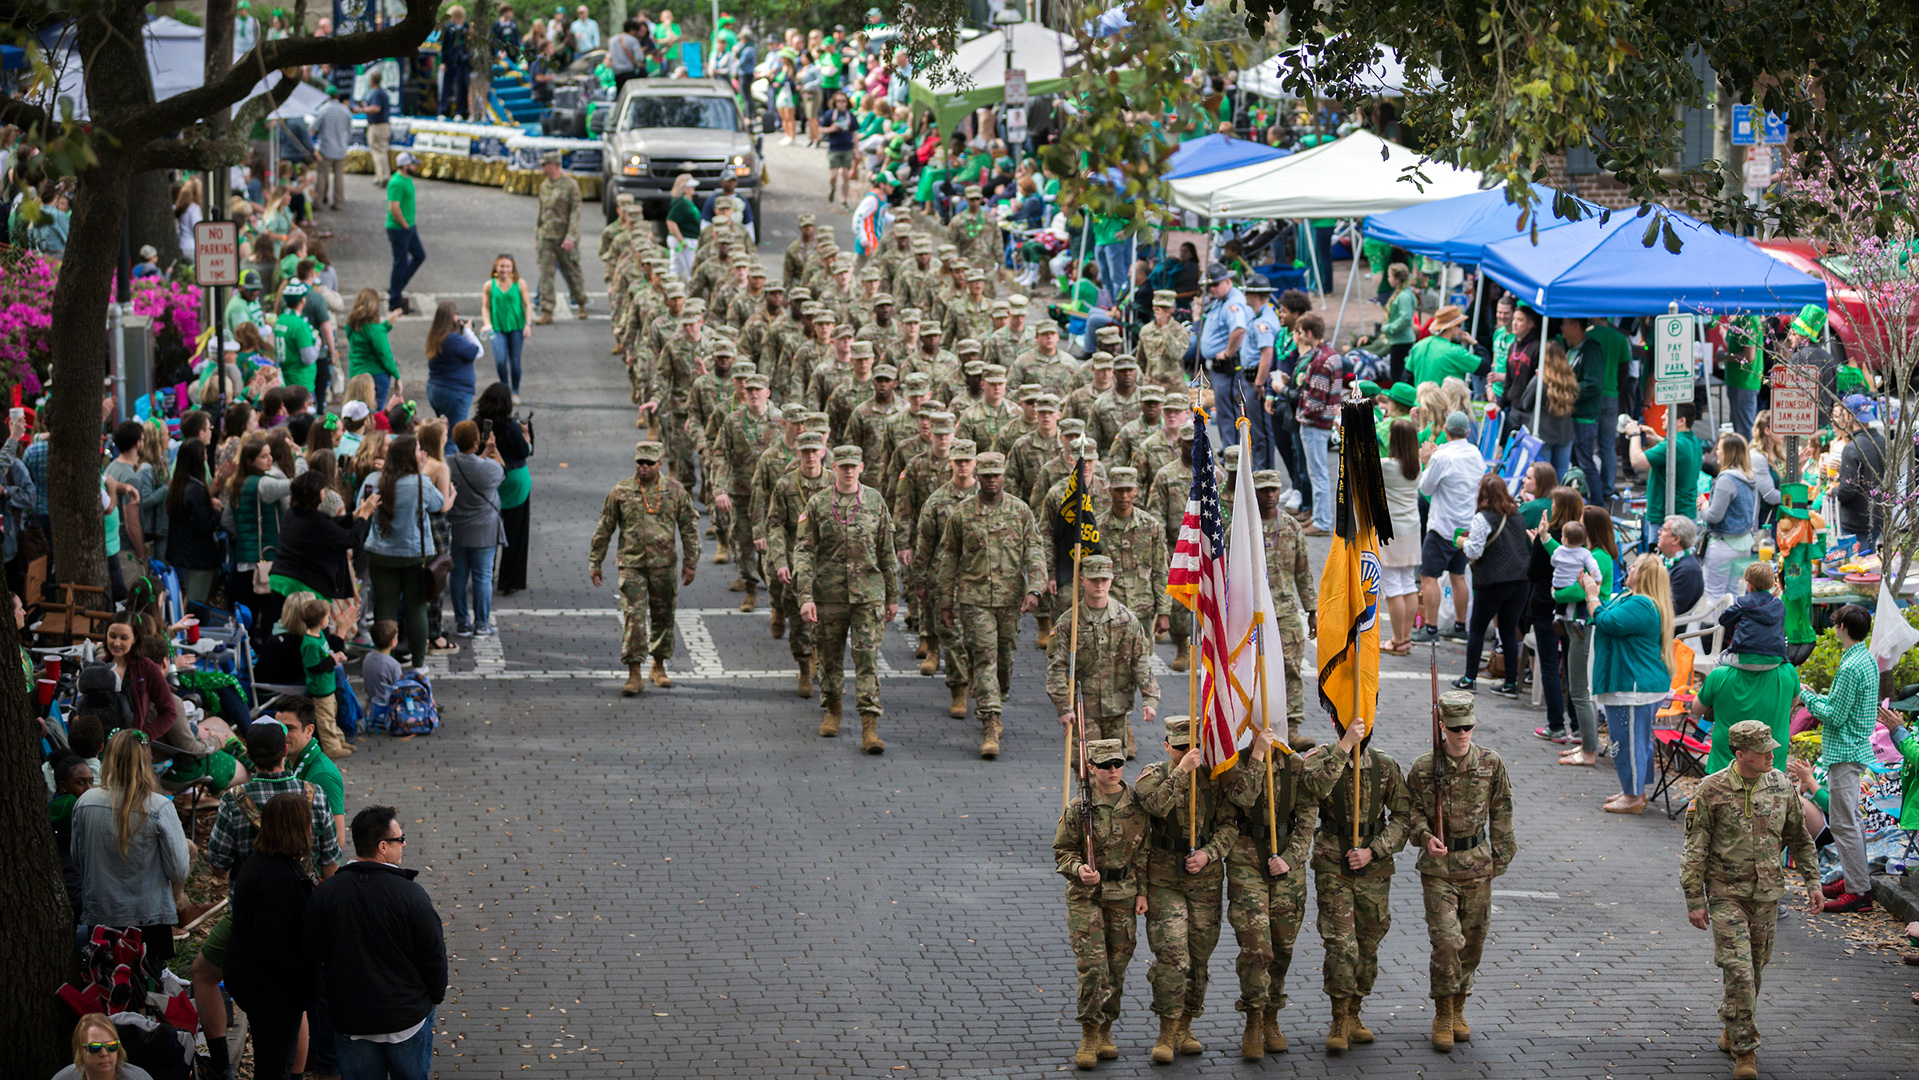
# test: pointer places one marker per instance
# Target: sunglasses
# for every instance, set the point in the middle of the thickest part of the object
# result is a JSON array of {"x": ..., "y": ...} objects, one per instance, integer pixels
[
  {"x": 101, "y": 1048},
  {"x": 1120, "y": 764},
  {"x": 400, "y": 839},
  {"x": 1462, "y": 727}
]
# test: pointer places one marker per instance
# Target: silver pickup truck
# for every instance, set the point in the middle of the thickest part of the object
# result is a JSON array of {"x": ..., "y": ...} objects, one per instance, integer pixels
[{"x": 661, "y": 128}]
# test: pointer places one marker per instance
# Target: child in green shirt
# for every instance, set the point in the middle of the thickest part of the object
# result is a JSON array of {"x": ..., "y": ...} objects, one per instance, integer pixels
[{"x": 322, "y": 666}]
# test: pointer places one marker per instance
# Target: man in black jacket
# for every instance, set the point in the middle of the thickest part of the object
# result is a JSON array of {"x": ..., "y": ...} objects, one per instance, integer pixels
[
  {"x": 1860, "y": 467},
  {"x": 385, "y": 955}
]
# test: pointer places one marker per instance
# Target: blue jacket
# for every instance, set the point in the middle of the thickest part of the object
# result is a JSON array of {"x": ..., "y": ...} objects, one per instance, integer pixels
[
  {"x": 404, "y": 537},
  {"x": 452, "y": 366},
  {"x": 1627, "y": 647}
]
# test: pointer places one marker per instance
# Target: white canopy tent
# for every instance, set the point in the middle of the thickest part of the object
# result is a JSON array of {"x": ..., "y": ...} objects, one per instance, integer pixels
[
  {"x": 1351, "y": 177},
  {"x": 981, "y": 65},
  {"x": 1386, "y": 77},
  {"x": 176, "y": 55}
]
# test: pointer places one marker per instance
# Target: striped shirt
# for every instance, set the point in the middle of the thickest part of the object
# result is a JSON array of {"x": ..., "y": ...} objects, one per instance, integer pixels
[{"x": 1848, "y": 713}]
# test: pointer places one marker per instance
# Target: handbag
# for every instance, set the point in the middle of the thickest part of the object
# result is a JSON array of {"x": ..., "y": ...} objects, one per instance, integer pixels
[
  {"x": 440, "y": 566},
  {"x": 262, "y": 566}
]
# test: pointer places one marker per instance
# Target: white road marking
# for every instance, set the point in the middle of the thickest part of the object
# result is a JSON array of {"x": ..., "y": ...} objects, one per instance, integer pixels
[
  {"x": 699, "y": 644},
  {"x": 1522, "y": 894}
]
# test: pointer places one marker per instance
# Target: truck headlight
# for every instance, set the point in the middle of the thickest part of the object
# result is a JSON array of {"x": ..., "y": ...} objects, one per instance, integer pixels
[
  {"x": 634, "y": 165},
  {"x": 742, "y": 165}
]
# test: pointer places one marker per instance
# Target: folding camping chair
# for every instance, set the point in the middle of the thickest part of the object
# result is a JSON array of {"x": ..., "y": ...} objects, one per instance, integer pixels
[
  {"x": 1892, "y": 807},
  {"x": 1680, "y": 750}
]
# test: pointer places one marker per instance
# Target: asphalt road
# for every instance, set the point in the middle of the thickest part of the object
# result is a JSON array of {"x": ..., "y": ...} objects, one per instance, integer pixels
[{"x": 693, "y": 883}]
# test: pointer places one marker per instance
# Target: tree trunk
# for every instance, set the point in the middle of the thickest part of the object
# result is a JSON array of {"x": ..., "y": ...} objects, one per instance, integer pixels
[
  {"x": 479, "y": 60},
  {"x": 150, "y": 216}
]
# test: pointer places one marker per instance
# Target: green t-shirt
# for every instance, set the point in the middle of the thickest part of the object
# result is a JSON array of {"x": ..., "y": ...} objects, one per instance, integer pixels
[
  {"x": 1502, "y": 348},
  {"x": 299, "y": 352},
  {"x": 1533, "y": 511},
  {"x": 314, "y": 656},
  {"x": 319, "y": 770},
  {"x": 400, "y": 190},
  {"x": 1433, "y": 358},
  {"x": 1685, "y": 477},
  {"x": 829, "y": 70},
  {"x": 1735, "y": 694},
  {"x": 687, "y": 216},
  {"x": 1744, "y": 372},
  {"x": 1617, "y": 349},
  {"x": 241, "y": 310}
]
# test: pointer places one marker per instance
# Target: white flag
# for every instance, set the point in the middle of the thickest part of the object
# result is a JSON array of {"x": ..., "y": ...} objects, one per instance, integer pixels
[
  {"x": 1251, "y": 629},
  {"x": 1892, "y": 635}
]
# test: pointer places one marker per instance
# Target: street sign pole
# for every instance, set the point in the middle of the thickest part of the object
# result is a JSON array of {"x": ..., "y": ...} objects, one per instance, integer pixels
[
  {"x": 216, "y": 262},
  {"x": 1672, "y": 366}
]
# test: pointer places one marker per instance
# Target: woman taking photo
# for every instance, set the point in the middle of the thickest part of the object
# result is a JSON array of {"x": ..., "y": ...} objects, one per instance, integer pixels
[
  {"x": 193, "y": 516},
  {"x": 1632, "y": 672},
  {"x": 267, "y": 969},
  {"x": 495, "y": 408},
  {"x": 399, "y": 544},
  {"x": 256, "y": 497},
  {"x": 451, "y": 348},
  {"x": 477, "y": 532},
  {"x": 316, "y": 548},
  {"x": 506, "y": 314},
  {"x": 682, "y": 227},
  {"x": 430, "y": 445},
  {"x": 1497, "y": 544},
  {"x": 129, "y": 848},
  {"x": 1399, "y": 559},
  {"x": 1732, "y": 515},
  {"x": 1566, "y": 506},
  {"x": 368, "y": 351}
]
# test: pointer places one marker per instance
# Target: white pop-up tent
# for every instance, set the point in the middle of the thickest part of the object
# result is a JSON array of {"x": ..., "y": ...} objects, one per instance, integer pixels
[
  {"x": 1350, "y": 177},
  {"x": 176, "y": 57},
  {"x": 1385, "y": 77}
]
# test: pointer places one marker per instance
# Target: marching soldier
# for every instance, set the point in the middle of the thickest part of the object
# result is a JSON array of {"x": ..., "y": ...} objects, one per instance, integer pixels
[
  {"x": 1118, "y": 406},
  {"x": 1103, "y": 898},
  {"x": 1290, "y": 577},
  {"x": 988, "y": 574},
  {"x": 1353, "y": 884},
  {"x": 743, "y": 436},
  {"x": 1152, "y": 402},
  {"x": 1115, "y": 661},
  {"x": 926, "y": 537},
  {"x": 1045, "y": 363},
  {"x": 1167, "y": 500},
  {"x": 1078, "y": 405},
  {"x": 774, "y": 462},
  {"x": 1163, "y": 344},
  {"x": 845, "y": 572},
  {"x": 1742, "y": 817},
  {"x": 1136, "y": 540},
  {"x": 1456, "y": 870},
  {"x": 992, "y": 423},
  {"x": 647, "y": 510},
  {"x": 1006, "y": 344},
  {"x": 798, "y": 253},
  {"x": 559, "y": 237},
  {"x": 1184, "y": 874}
]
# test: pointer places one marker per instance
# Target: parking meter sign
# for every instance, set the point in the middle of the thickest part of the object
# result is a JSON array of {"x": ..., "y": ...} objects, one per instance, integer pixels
[
  {"x": 1672, "y": 359},
  {"x": 216, "y": 253}
]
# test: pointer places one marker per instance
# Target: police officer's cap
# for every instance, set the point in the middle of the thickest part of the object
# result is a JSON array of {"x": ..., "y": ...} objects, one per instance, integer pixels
[{"x": 1258, "y": 284}]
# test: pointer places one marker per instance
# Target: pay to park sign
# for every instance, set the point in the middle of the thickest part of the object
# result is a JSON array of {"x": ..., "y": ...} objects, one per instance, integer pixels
[
  {"x": 216, "y": 253},
  {"x": 1672, "y": 359},
  {"x": 1795, "y": 408}
]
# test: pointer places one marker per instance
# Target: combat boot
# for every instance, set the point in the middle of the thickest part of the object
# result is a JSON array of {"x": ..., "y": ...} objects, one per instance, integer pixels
[
  {"x": 1045, "y": 639},
  {"x": 830, "y": 726},
  {"x": 1275, "y": 1038},
  {"x": 804, "y": 687},
  {"x": 721, "y": 556},
  {"x": 921, "y": 649},
  {"x": 1336, "y": 1035},
  {"x": 1443, "y": 1023},
  {"x": 1725, "y": 1040},
  {"x": 1745, "y": 1065},
  {"x": 1107, "y": 1051},
  {"x": 1163, "y": 1046},
  {"x": 870, "y": 740},
  {"x": 1088, "y": 1054},
  {"x": 930, "y": 662},
  {"x": 751, "y": 598},
  {"x": 957, "y": 710},
  {"x": 777, "y": 624},
  {"x": 631, "y": 688},
  {"x": 658, "y": 674},
  {"x": 1461, "y": 1033},
  {"x": 1252, "y": 1045},
  {"x": 1181, "y": 652},
  {"x": 989, "y": 737},
  {"x": 1356, "y": 1029},
  {"x": 1187, "y": 1044},
  {"x": 544, "y": 318}
]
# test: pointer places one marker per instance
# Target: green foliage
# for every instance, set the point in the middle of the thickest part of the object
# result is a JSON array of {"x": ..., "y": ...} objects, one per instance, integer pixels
[{"x": 1819, "y": 669}]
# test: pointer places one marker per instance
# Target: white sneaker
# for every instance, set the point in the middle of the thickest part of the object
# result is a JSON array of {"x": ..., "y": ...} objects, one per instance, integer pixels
[
  {"x": 1292, "y": 499},
  {"x": 786, "y": 140}
]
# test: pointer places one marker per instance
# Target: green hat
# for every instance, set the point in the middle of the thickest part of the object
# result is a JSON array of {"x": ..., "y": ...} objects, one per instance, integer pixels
[
  {"x": 1369, "y": 388},
  {"x": 963, "y": 450},
  {"x": 1752, "y": 734},
  {"x": 1456, "y": 709},
  {"x": 1096, "y": 566},
  {"x": 848, "y": 455},
  {"x": 1103, "y": 750},
  {"x": 1179, "y": 732},
  {"x": 647, "y": 452},
  {"x": 1404, "y": 394},
  {"x": 1811, "y": 321}
]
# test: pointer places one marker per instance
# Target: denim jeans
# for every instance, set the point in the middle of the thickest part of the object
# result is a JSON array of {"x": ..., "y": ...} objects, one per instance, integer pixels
[
  {"x": 1741, "y": 407},
  {"x": 409, "y": 1060},
  {"x": 382, "y": 386},
  {"x": 1561, "y": 457},
  {"x": 407, "y": 257},
  {"x": 1115, "y": 268},
  {"x": 451, "y": 402},
  {"x": 1089, "y": 338},
  {"x": 506, "y": 356},
  {"x": 1629, "y": 729},
  {"x": 1586, "y": 456},
  {"x": 1607, "y": 436},
  {"x": 478, "y": 563},
  {"x": 1318, "y": 441}
]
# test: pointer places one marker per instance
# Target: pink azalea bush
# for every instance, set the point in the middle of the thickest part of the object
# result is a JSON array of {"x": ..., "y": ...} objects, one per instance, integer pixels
[
  {"x": 26, "y": 303},
  {"x": 174, "y": 308}
]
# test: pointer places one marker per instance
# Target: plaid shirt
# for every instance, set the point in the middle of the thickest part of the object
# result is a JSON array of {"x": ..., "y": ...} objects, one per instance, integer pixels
[
  {"x": 1848, "y": 713},
  {"x": 1320, "y": 389},
  {"x": 232, "y": 838},
  {"x": 36, "y": 461}
]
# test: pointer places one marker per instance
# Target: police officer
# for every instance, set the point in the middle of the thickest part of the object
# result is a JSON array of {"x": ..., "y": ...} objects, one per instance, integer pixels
[
  {"x": 559, "y": 237},
  {"x": 1457, "y": 869},
  {"x": 1103, "y": 897},
  {"x": 1222, "y": 329},
  {"x": 845, "y": 572},
  {"x": 647, "y": 509},
  {"x": 1742, "y": 817}
]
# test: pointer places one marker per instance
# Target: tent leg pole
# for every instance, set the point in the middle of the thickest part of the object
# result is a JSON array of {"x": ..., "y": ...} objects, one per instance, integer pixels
[{"x": 1351, "y": 273}]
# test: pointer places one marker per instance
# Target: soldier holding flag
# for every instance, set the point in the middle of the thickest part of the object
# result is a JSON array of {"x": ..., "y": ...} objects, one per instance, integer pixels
[{"x": 1104, "y": 897}]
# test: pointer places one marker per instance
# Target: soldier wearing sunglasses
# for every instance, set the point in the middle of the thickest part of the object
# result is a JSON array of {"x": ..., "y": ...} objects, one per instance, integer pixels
[{"x": 1103, "y": 899}]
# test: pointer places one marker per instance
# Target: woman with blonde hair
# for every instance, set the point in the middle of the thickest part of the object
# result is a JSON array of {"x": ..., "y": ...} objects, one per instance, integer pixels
[
  {"x": 432, "y": 444},
  {"x": 682, "y": 227},
  {"x": 1397, "y": 333},
  {"x": 1632, "y": 671},
  {"x": 1554, "y": 425},
  {"x": 187, "y": 212},
  {"x": 129, "y": 848},
  {"x": 98, "y": 1053},
  {"x": 1732, "y": 515}
]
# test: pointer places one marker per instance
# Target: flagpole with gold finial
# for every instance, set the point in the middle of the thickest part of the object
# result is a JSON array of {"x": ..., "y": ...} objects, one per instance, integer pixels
[
  {"x": 1072, "y": 683},
  {"x": 1192, "y": 696}
]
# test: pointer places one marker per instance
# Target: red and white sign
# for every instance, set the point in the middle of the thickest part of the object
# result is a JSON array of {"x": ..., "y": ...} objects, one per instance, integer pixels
[
  {"x": 1016, "y": 87},
  {"x": 1795, "y": 400},
  {"x": 216, "y": 253}
]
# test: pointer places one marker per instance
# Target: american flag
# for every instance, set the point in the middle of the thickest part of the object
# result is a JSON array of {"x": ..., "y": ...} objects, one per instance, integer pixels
[{"x": 1198, "y": 580}]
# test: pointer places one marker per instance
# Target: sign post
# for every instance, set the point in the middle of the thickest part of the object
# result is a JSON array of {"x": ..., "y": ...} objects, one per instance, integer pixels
[
  {"x": 1745, "y": 132},
  {"x": 1016, "y": 102},
  {"x": 1672, "y": 365},
  {"x": 1016, "y": 86},
  {"x": 216, "y": 263}
]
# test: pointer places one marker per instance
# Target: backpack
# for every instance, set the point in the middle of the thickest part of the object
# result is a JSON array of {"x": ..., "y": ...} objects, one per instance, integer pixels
[{"x": 410, "y": 708}]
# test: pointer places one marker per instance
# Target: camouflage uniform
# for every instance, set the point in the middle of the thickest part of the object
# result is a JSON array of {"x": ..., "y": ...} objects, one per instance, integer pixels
[
  {"x": 559, "y": 221},
  {"x": 794, "y": 263},
  {"x": 1112, "y": 411},
  {"x": 926, "y": 538},
  {"x": 1150, "y": 453},
  {"x": 889, "y": 347},
  {"x": 845, "y": 565},
  {"x": 1162, "y": 352},
  {"x": 785, "y": 506},
  {"x": 969, "y": 317},
  {"x": 1115, "y": 662},
  {"x": 1137, "y": 544},
  {"x": 1024, "y": 458},
  {"x": 1479, "y": 837},
  {"x": 866, "y": 426},
  {"x": 737, "y": 445},
  {"x": 649, "y": 569},
  {"x": 680, "y": 363},
  {"x": 1735, "y": 831},
  {"x": 988, "y": 563},
  {"x": 1005, "y": 345},
  {"x": 991, "y": 427},
  {"x": 1057, "y": 372},
  {"x": 1167, "y": 501},
  {"x": 1101, "y": 921},
  {"x": 1290, "y": 577},
  {"x": 1353, "y": 904},
  {"x": 1182, "y": 912}
]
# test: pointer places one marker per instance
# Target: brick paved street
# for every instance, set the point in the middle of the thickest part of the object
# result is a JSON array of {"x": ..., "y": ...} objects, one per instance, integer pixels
[{"x": 693, "y": 883}]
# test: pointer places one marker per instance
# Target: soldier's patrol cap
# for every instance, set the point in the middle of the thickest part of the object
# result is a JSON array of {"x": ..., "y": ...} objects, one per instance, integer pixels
[
  {"x": 1073, "y": 426},
  {"x": 812, "y": 440},
  {"x": 1125, "y": 363},
  {"x": 1179, "y": 732},
  {"x": 871, "y": 273},
  {"x": 793, "y": 413},
  {"x": 862, "y": 350},
  {"x": 1001, "y": 307},
  {"x": 1108, "y": 333},
  {"x": 942, "y": 423},
  {"x": 1456, "y": 709},
  {"x": 843, "y": 330},
  {"x": 817, "y": 421},
  {"x": 1123, "y": 476},
  {"x": 758, "y": 382},
  {"x": 973, "y": 191},
  {"x": 1102, "y": 751},
  {"x": 882, "y": 298},
  {"x": 1030, "y": 391},
  {"x": 1751, "y": 735},
  {"x": 918, "y": 382},
  {"x": 974, "y": 367},
  {"x": 991, "y": 463},
  {"x": 1165, "y": 298},
  {"x": 675, "y": 288},
  {"x": 771, "y": 286},
  {"x": 929, "y": 329},
  {"x": 1186, "y": 434},
  {"x": 648, "y": 451},
  {"x": 949, "y": 249},
  {"x": 1266, "y": 478},
  {"x": 743, "y": 368},
  {"x": 1087, "y": 449},
  {"x": 822, "y": 313},
  {"x": 1230, "y": 459},
  {"x": 1152, "y": 392},
  {"x": 690, "y": 315},
  {"x": 909, "y": 314},
  {"x": 1016, "y": 303},
  {"x": 1102, "y": 361},
  {"x": 967, "y": 345},
  {"x": 922, "y": 244},
  {"x": 1047, "y": 402},
  {"x": 722, "y": 347},
  {"x": 755, "y": 269},
  {"x": 695, "y": 303},
  {"x": 975, "y": 274},
  {"x": 883, "y": 371},
  {"x": 848, "y": 455},
  {"x": 551, "y": 157},
  {"x": 800, "y": 294},
  {"x": 931, "y": 404},
  {"x": 1045, "y": 326},
  {"x": 806, "y": 219},
  {"x": 994, "y": 373},
  {"x": 740, "y": 258},
  {"x": 1096, "y": 566},
  {"x": 963, "y": 450}
]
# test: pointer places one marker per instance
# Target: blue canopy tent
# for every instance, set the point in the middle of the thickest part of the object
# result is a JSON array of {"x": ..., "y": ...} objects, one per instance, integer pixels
[
  {"x": 1214, "y": 153},
  {"x": 1457, "y": 230}
]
